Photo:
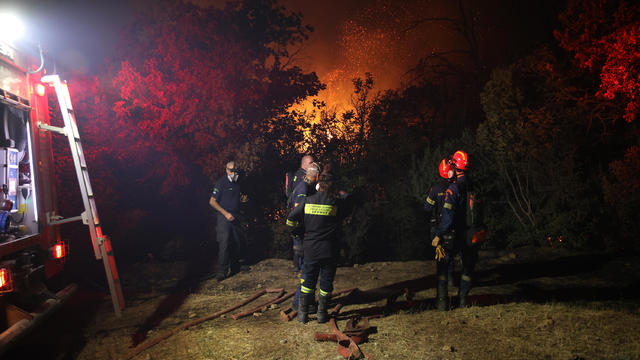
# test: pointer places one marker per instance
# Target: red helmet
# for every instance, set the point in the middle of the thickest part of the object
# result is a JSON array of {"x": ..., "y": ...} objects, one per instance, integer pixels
[
  {"x": 445, "y": 169},
  {"x": 460, "y": 160}
]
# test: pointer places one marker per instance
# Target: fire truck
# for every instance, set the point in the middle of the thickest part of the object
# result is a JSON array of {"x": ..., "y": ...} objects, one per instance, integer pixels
[{"x": 31, "y": 250}]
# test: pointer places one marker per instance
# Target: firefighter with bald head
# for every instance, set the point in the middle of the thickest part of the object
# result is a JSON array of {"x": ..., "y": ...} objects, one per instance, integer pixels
[
  {"x": 226, "y": 199},
  {"x": 318, "y": 216},
  {"x": 450, "y": 235},
  {"x": 304, "y": 188}
]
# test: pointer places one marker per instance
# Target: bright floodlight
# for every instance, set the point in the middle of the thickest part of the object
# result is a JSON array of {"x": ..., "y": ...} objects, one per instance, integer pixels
[{"x": 11, "y": 28}]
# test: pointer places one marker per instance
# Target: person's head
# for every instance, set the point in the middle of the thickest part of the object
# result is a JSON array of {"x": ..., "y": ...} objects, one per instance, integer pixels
[
  {"x": 460, "y": 162},
  {"x": 313, "y": 172},
  {"x": 325, "y": 182},
  {"x": 445, "y": 170},
  {"x": 231, "y": 170},
  {"x": 306, "y": 161}
]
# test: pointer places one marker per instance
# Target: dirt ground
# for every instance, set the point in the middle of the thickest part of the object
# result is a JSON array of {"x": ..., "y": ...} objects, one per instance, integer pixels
[{"x": 529, "y": 303}]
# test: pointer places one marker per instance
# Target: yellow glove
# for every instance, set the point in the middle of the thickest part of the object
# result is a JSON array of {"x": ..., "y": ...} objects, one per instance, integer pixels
[{"x": 440, "y": 253}]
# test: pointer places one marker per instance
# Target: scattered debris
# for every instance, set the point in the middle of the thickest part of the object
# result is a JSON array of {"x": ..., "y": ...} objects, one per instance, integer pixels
[
  {"x": 448, "y": 348},
  {"x": 151, "y": 342}
]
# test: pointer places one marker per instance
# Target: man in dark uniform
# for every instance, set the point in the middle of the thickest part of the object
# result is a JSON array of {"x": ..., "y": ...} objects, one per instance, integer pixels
[
  {"x": 305, "y": 162},
  {"x": 434, "y": 202},
  {"x": 318, "y": 216},
  {"x": 450, "y": 234},
  {"x": 226, "y": 199},
  {"x": 299, "y": 190},
  {"x": 302, "y": 190}
]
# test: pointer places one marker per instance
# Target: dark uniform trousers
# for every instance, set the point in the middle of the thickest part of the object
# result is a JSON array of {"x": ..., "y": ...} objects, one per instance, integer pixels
[
  {"x": 469, "y": 254},
  {"x": 228, "y": 245},
  {"x": 325, "y": 269},
  {"x": 454, "y": 242}
]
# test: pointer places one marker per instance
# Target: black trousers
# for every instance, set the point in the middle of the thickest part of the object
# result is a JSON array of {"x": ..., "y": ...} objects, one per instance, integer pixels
[
  {"x": 227, "y": 236},
  {"x": 325, "y": 269},
  {"x": 469, "y": 255}
]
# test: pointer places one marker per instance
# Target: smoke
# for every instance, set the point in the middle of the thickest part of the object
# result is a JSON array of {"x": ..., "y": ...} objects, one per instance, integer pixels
[{"x": 385, "y": 38}]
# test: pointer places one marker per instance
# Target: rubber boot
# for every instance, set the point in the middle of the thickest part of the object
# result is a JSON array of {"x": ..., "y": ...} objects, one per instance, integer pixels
[
  {"x": 313, "y": 306},
  {"x": 323, "y": 306},
  {"x": 442, "y": 296},
  {"x": 450, "y": 274},
  {"x": 303, "y": 308},
  {"x": 465, "y": 286}
]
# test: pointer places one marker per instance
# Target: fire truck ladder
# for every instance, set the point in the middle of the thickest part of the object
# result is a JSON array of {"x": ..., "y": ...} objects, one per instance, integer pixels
[{"x": 101, "y": 243}]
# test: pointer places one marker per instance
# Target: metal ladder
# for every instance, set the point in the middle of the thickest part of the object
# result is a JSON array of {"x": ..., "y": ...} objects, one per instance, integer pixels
[{"x": 101, "y": 243}]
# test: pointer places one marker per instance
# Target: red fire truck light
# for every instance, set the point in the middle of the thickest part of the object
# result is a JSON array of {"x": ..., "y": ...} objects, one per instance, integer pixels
[
  {"x": 40, "y": 89},
  {"x": 58, "y": 251},
  {"x": 5, "y": 281}
]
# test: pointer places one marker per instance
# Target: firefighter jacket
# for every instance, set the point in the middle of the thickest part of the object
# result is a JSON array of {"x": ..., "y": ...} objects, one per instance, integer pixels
[
  {"x": 300, "y": 192},
  {"x": 298, "y": 177},
  {"x": 318, "y": 216},
  {"x": 297, "y": 197},
  {"x": 454, "y": 208},
  {"x": 434, "y": 201}
]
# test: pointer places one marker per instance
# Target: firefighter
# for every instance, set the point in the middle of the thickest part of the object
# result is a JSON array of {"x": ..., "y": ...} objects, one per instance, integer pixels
[
  {"x": 450, "y": 235},
  {"x": 305, "y": 162},
  {"x": 296, "y": 191},
  {"x": 226, "y": 199},
  {"x": 434, "y": 201},
  {"x": 301, "y": 191},
  {"x": 319, "y": 218}
]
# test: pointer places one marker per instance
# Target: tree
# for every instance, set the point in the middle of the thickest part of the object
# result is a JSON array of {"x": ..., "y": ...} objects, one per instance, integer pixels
[
  {"x": 186, "y": 88},
  {"x": 201, "y": 83},
  {"x": 603, "y": 35},
  {"x": 547, "y": 176}
]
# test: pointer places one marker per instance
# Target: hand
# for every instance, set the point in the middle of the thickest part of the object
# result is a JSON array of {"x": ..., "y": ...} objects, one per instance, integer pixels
[
  {"x": 229, "y": 216},
  {"x": 435, "y": 241}
]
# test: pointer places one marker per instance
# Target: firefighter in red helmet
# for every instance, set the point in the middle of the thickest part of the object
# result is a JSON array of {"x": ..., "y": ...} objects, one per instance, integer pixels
[
  {"x": 450, "y": 234},
  {"x": 434, "y": 201}
]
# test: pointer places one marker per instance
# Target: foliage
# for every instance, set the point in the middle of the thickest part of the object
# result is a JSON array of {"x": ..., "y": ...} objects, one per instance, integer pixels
[
  {"x": 188, "y": 88},
  {"x": 622, "y": 194},
  {"x": 204, "y": 82},
  {"x": 604, "y": 35},
  {"x": 191, "y": 86},
  {"x": 527, "y": 136}
]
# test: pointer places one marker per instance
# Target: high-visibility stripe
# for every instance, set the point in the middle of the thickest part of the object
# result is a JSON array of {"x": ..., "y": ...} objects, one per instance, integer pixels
[
  {"x": 292, "y": 223},
  {"x": 430, "y": 202},
  {"x": 442, "y": 277},
  {"x": 302, "y": 195},
  {"x": 301, "y": 280},
  {"x": 323, "y": 293},
  {"x": 319, "y": 209},
  {"x": 448, "y": 206},
  {"x": 305, "y": 290},
  {"x": 466, "y": 278}
]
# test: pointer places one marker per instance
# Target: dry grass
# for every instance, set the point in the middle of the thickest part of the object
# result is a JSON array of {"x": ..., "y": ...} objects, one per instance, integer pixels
[{"x": 572, "y": 330}]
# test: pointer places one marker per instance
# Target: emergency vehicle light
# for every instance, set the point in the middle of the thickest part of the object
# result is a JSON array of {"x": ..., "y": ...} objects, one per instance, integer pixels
[
  {"x": 40, "y": 89},
  {"x": 5, "y": 280},
  {"x": 11, "y": 28},
  {"x": 58, "y": 251}
]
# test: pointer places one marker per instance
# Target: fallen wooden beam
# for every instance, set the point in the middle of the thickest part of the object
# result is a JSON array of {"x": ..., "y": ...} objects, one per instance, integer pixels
[
  {"x": 280, "y": 298},
  {"x": 151, "y": 342}
]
